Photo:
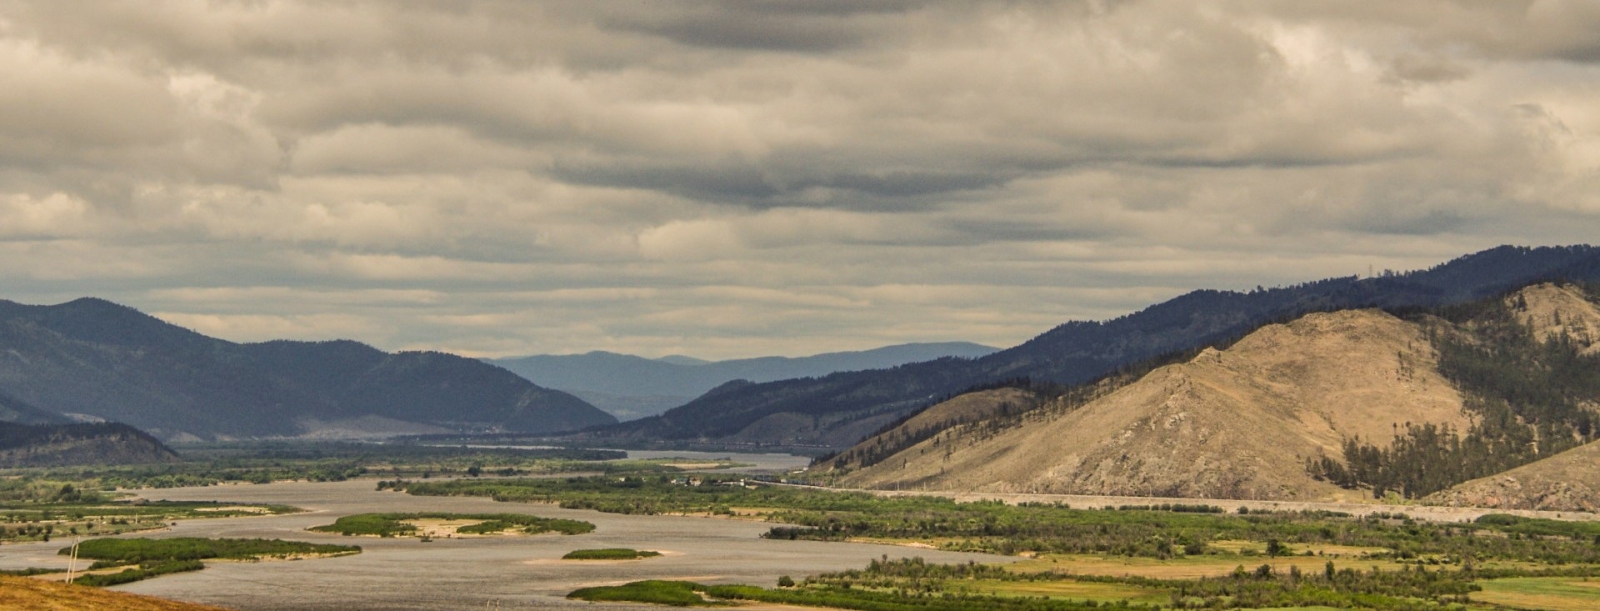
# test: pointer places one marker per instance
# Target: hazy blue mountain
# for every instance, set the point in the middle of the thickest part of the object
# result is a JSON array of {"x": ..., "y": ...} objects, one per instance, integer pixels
[
  {"x": 633, "y": 387},
  {"x": 682, "y": 359},
  {"x": 15, "y": 411},
  {"x": 837, "y": 410},
  {"x": 92, "y": 359}
]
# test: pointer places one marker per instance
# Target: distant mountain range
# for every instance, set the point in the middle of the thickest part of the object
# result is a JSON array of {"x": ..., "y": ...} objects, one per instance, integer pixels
[
  {"x": 837, "y": 410},
  {"x": 93, "y": 360},
  {"x": 634, "y": 387}
]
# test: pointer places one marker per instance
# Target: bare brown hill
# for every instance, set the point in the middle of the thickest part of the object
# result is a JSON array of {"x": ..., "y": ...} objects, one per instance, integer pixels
[
  {"x": 1569, "y": 481},
  {"x": 1553, "y": 310},
  {"x": 25, "y": 594},
  {"x": 1237, "y": 423}
]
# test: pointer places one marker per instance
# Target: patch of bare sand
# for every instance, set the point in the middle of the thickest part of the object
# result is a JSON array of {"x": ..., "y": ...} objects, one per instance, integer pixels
[
  {"x": 440, "y": 528},
  {"x": 691, "y": 466},
  {"x": 899, "y": 542},
  {"x": 619, "y": 582},
  {"x": 238, "y": 508}
]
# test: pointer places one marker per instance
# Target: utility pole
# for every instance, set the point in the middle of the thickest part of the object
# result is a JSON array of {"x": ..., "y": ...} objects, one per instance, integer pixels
[{"x": 72, "y": 563}]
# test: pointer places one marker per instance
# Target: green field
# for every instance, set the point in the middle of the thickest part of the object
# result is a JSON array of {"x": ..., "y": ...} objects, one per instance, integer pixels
[
  {"x": 1551, "y": 593},
  {"x": 1063, "y": 589}
]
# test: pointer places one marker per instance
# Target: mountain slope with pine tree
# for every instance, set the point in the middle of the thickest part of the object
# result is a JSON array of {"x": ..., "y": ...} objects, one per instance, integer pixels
[{"x": 1338, "y": 405}]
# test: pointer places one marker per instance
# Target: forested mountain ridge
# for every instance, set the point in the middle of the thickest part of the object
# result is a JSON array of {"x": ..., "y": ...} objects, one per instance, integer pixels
[
  {"x": 16, "y": 411},
  {"x": 1495, "y": 397},
  {"x": 55, "y": 445},
  {"x": 634, "y": 387},
  {"x": 837, "y": 410},
  {"x": 91, "y": 359}
]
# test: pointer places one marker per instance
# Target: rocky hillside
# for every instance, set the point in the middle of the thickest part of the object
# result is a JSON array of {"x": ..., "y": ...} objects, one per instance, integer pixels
[
  {"x": 1234, "y": 423},
  {"x": 94, "y": 360},
  {"x": 1555, "y": 312},
  {"x": 78, "y": 444},
  {"x": 1569, "y": 481},
  {"x": 1340, "y": 405},
  {"x": 835, "y": 411}
]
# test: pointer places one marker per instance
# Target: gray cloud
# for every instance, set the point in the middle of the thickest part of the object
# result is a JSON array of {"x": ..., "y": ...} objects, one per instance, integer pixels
[{"x": 731, "y": 178}]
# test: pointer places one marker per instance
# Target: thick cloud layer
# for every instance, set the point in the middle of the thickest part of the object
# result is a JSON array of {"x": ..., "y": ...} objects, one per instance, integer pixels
[{"x": 736, "y": 177}]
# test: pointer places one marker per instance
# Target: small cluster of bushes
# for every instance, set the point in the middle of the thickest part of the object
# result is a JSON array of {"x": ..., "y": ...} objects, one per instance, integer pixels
[{"x": 1173, "y": 507}]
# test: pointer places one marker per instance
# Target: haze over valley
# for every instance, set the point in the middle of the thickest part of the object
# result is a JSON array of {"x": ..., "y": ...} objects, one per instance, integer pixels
[{"x": 631, "y": 387}]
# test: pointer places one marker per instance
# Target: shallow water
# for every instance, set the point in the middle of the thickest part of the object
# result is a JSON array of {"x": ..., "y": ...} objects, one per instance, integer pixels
[{"x": 477, "y": 573}]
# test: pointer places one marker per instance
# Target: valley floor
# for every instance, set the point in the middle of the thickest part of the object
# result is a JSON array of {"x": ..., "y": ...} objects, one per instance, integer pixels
[{"x": 515, "y": 572}]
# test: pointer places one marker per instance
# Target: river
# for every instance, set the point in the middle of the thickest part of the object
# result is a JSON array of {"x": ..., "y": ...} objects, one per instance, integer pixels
[{"x": 510, "y": 572}]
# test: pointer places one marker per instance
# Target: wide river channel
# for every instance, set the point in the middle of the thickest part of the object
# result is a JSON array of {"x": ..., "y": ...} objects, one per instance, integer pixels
[{"x": 504, "y": 572}]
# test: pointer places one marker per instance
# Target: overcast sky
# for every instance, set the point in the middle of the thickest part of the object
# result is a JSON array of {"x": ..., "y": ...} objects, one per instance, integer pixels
[{"x": 748, "y": 177}]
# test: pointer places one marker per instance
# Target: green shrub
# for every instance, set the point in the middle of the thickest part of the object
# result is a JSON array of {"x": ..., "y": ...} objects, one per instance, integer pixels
[
  {"x": 674, "y": 593},
  {"x": 611, "y": 553}
]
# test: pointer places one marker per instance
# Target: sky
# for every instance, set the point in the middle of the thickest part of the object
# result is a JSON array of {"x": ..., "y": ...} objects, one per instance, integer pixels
[{"x": 737, "y": 178}]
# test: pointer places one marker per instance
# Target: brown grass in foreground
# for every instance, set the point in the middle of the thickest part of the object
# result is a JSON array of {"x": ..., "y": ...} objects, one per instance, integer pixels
[{"x": 24, "y": 594}]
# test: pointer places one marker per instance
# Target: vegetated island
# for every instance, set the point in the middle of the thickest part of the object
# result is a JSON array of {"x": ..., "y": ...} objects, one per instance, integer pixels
[
  {"x": 428, "y": 525},
  {"x": 610, "y": 553},
  {"x": 146, "y": 558},
  {"x": 657, "y": 591}
]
